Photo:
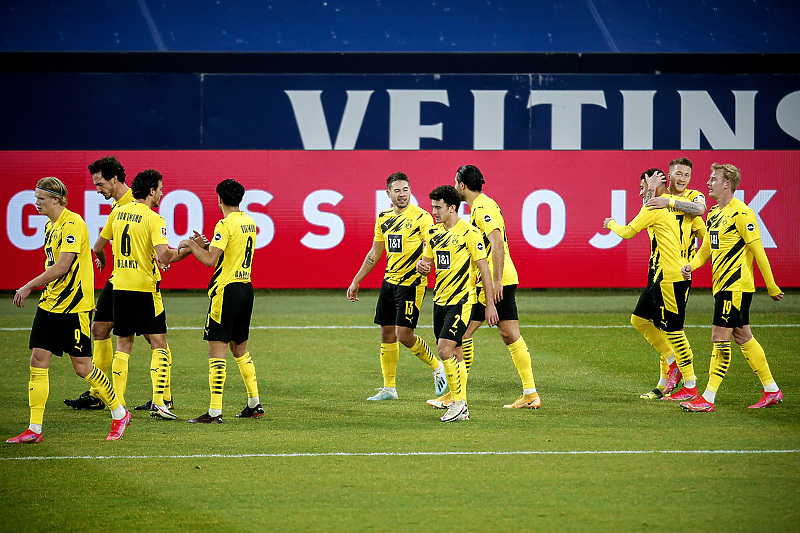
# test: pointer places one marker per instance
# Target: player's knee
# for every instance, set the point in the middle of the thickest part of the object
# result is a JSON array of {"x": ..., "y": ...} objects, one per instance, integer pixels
[
  {"x": 406, "y": 337},
  {"x": 102, "y": 330}
]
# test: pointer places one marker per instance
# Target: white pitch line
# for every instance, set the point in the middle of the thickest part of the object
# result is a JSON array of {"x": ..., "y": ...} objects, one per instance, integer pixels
[
  {"x": 547, "y": 326},
  {"x": 395, "y": 454}
]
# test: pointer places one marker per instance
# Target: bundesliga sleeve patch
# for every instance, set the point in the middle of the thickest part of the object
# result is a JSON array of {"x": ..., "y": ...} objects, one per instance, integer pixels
[
  {"x": 218, "y": 236},
  {"x": 487, "y": 218},
  {"x": 479, "y": 246},
  {"x": 70, "y": 239},
  {"x": 751, "y": 227}
]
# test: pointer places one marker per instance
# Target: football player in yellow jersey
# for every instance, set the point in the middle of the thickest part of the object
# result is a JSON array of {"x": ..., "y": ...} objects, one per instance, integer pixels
[
  {"x": 664, "y": 300},
  {"x": 139, "y": 240},
  {"x": 400, "y": 231},
  {"x": 692, "y": 227},
  {"x": 485, "y": 215},
  {"x": 687, "y": 200},
  {"x": 108, "y": 177},
  {"x": 457, "y": 250},
  {"x": 693, "y": 204},
  {"x": 62, "y": 319},
  {"x": 733, "y": 241},
  {"x": 230, "y": 290}
]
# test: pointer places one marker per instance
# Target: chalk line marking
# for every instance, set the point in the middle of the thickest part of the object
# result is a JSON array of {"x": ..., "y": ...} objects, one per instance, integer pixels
[
  {"x": 550, "y": 326},
  {"x": 394, "y": 454}
]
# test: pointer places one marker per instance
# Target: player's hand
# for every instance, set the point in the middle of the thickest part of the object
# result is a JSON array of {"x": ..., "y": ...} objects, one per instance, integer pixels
[
  {"x": 497, "y": 288},
  {"x": 655, "y": 180},
  {"x": 491, "y": 315},
  {"x": 99, "y": 264},
  {"x": 352, "y": 293},
  {"x": 200, "y": 240},
  {"x": 686, "y": 272},
  {"x": 657, "y": 203},
  {"x": 423, "y": 267},
  {"x": 777, "y": 297},
  {"x": 24, "y": 291},
  {"x": 607, "y": 221},
  {"x": 161, "y": 265}
]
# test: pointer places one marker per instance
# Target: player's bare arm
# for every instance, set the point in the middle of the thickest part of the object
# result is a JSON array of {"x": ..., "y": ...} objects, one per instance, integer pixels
[
  {"x": 61, "y": 267},
  {"x": 690, "y": 208},
  {"x": 208, "y": 255},
  {"x": 99, "y": 250},
  {"x": 498, "y": 262},
  {"x": 491, "y": 311},
  {"x": 167, "y": 255},
  {"x": 372, "y": 258}
]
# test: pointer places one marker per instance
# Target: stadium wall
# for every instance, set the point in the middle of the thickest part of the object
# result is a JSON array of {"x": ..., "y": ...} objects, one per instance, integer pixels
[{"x": 560, "y": 151}]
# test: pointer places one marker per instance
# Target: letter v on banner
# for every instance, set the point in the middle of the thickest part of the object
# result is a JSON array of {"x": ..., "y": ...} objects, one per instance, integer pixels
[
  {"x": 310, "y": 117},
  {"x": 757, "y": 204}
]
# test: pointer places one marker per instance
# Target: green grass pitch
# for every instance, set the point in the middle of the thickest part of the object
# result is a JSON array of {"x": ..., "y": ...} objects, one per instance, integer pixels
[{"x": 594, "y": 457}]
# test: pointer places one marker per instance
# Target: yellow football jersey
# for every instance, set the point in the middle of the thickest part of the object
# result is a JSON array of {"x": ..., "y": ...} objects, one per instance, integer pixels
[
  {"x": 74, "y": 291},
  {"x": 698, "y": 228},
  {"x": 403, "y": 236},
  {"x": 729, "y": 230},
  {"x": 126, "y": 199},
  {"x": 665, "y": 227},
  {"x": 454, "y": 253},
  {"x": 235, "y": 235},
  {"x": 135, "y": 231},
  {"x": 485, "y": 215}
]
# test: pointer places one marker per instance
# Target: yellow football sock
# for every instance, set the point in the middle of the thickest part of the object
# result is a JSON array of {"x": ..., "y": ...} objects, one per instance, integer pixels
[
  {"x": 683, "y": 355},
  {"x": 99, "y": 382},
  {"x": 657, "y": 340},
  {"x": 664, "y": 367},
  {"x": 461, "y": 367},
  {"x": 453, "y": 378},
  {"x": 38, "y": 391},
  {"x": 390, "y": 355},
  {"x": 424, "y": 354},
  {"x": 522, "y": 360},
  {"x": 102, "y": 357},
  {"x": 248, "y": 371},
  {"x": 158, "y": 374},
  {"x": 168, "y": 388},
  {"x": 216, "y": 381},
  {"x": 119, "y": 375},
  {"x": 720, "y": 361},
  {"x": 468, "y": 351},
  {"x": 757, "y": 360}
]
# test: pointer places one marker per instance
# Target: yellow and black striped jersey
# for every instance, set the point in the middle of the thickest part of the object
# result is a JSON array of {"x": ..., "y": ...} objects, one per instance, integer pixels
[
  {"x": 698, "y": 227},
  {"x": 135, "y": 231},
  {"x": 126, "y": 199},
  {"x": 729, "y": 231},
  {"x": 454, "y": 252},
  {"x": 667, "y": 229},
  {"x": 403, "y": 236},
  {"x": 235, "y": 235},
  {"x": 74, "y": 291},
  {"x": 485, "y": 215}
]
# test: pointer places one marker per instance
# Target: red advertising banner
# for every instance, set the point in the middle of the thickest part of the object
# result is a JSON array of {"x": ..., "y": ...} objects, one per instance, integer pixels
[{"x": 315, "y": 210}]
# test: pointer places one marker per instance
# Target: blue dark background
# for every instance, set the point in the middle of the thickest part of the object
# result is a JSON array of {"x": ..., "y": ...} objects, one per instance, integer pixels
[{"x": 650, "y": 26}]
